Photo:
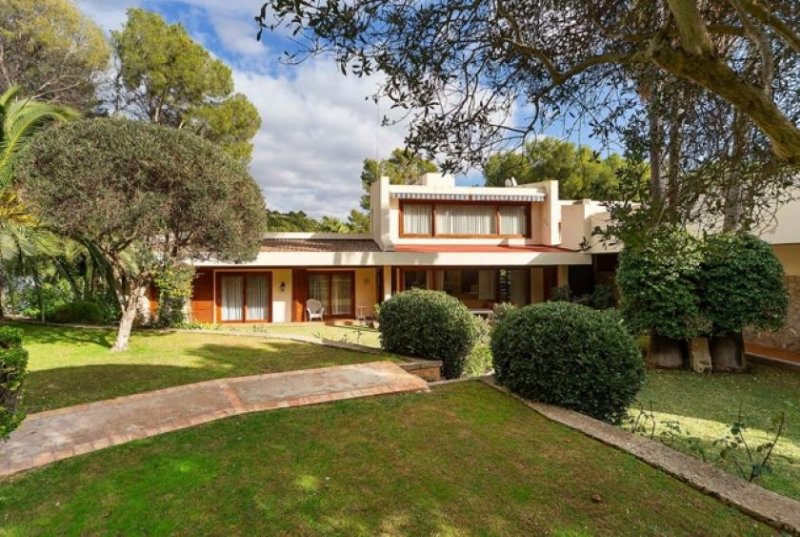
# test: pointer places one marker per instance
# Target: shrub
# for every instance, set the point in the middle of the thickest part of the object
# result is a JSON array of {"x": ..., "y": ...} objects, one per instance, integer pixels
[
  {"x": 13, "y": 368},
  {"x": 501, "y": 310},
  {"x": 658, "y": 281},
  {"x": 569, "y": 355},
  {"x": 479, "y": 360},
  {"x": 80, "y": 312},
  {"x": 742, "y": 284},
  {"x": 429, "y": 324}
]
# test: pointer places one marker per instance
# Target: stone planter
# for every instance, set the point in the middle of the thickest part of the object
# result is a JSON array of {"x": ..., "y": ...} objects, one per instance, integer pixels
[
  {"x": 664, "y": 353},
  {"x": 727, "y": 353}
]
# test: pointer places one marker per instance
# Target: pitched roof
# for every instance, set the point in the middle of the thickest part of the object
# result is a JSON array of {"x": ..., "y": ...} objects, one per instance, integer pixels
[
  {"x": 478, "y": 248},
  {"x": 319, "y": 245}
]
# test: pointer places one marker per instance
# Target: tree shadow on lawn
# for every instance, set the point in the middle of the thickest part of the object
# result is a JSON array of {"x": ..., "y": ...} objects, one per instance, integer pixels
[{"x": 52, "y": 335}]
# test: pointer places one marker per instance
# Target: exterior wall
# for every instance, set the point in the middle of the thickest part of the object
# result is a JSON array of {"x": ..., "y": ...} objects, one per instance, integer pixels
[
  {"x": 366, "y": 290},
  {"x": 545, "y": 216},
  {"x": 787, "y": 337},
  {"x": 281, "y": 300}
]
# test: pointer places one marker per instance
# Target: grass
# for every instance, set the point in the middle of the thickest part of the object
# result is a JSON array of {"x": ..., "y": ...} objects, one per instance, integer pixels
[
  {"x": 69, "y": 366},
  {"x": 706, "y": 405},
  {"x": 462, "y": 460},
  {"x": 361, "y": 335}
]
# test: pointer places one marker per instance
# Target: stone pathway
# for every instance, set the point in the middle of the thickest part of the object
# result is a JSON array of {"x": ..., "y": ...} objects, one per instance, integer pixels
[{"x": 66, "y": 432}]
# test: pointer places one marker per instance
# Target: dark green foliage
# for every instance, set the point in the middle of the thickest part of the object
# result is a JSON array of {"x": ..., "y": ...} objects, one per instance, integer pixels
[
  {"x": 658, "y": 281},
  {"x": 569, "y": 355},
  {"x": 742, "y": 284},
  {"x": 501, "y": 310},
  {"x": 561, "y": 294},
  {"x": 119, "y": 182},
  {"x": 174, "y": 284},
  {"x": 429, "y": 324},
  {"x": 13, "y": 368},
  {"x": 80, "y": 312}
]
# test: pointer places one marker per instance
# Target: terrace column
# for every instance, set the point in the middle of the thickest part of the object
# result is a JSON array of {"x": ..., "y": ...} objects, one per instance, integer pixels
[
  {"x": 563, "y": 275},
  {"x": 387, "y": 282}
]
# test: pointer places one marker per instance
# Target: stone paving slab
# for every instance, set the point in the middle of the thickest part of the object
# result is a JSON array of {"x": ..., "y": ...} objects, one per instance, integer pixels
[{"x": 65, "y": 432}]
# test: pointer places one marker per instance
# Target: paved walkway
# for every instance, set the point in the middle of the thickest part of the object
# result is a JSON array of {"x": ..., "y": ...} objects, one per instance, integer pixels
[{"x": 65, "y": 432}]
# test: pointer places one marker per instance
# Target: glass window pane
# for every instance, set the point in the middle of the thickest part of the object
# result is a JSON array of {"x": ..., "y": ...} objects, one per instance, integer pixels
[
  {"x": 257, "y": 298},
  {"x": 341, "y": 294},
  {"x": 512, "y": 220},
  {"x": 232, "y": 298},
  {"x": 416, "y": 219},
  {"x": 318, "y": 288},
  {"x": 465, "y": 220}
]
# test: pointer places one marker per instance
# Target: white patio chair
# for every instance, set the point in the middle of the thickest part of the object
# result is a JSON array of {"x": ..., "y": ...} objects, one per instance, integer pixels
[{"x": 315, "y": 309}]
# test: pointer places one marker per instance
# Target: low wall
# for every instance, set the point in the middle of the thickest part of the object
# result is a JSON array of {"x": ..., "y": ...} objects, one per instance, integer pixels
[{"x": 787, "y": 337}]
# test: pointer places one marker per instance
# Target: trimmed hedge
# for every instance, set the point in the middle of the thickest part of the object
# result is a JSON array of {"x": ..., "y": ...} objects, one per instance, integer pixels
[
  {"x": 742, "y": 284},
  {"x": 429, "y": 324},
  {"x": 658, "y": 283},
  {"x": 569, "y": 355},
  {"x": 13, "y": 369},
  {"x": 80, "y": 312}
]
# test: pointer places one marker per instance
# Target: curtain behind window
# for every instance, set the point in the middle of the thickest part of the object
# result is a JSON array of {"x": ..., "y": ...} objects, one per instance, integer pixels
[
  {"x": 512, "y": 220},
  {"x": 341, "y": 285},
  {"x": 257, "y": 298},
  {"x": 232, "y": 296},
  {"x": 417, "y": 219},
  {"x": 318, "y": 288},
  {"x": 465, "y": 220}
]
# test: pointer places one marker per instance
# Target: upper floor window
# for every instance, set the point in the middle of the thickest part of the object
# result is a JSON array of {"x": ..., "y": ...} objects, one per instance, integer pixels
[{"x": 463, "y": 220}]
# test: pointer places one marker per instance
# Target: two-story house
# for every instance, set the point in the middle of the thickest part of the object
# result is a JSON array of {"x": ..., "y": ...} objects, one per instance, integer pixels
[{"x": 482, "y": 245}]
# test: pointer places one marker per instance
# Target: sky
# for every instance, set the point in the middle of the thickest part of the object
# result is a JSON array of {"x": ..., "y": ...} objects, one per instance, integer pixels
[{"x": 317, "y": 124}]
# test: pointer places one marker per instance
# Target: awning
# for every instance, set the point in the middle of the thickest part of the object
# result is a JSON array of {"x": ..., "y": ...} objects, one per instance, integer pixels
[{"x": 448, "y": 196}]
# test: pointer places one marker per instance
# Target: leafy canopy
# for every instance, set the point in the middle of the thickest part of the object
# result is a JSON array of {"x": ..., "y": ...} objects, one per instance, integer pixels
[
  {"x": 51, "y": 50},
  {"x": 658, "y": 282},
  {"x": 403, "y": 167},
  {"x": 121, "y": 184},
  {"x": 742, "y": 284},
  {"x": 579, "y": 171},
  {"x": 167, "y": 78}
]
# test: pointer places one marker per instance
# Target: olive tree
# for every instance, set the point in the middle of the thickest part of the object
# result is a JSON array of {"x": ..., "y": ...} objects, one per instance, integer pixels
[
  {"x": 741, "y": 285},
  {"x": 143, "y": 197}
]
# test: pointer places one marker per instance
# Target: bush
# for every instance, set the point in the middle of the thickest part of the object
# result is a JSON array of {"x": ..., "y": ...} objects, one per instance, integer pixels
[
  {"x": 659, "y": 282},
  {"x": 569, "y": 355},
  {"x": 479, "y": 360},
  {"x": 501, "y": 310},
  {"x": 742, "y": 284},
  {"x": 13, "y": 368},
  {"x": 79, "y": 312},
  {"x": 429, "y": 324}
]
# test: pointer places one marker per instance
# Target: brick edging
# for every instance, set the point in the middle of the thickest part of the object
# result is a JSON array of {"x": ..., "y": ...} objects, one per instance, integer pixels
[{"x": 764, "y": 505}]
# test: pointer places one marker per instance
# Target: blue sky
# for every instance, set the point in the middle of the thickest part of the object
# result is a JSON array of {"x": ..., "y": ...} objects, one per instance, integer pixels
[{"x": 317, "y": 125}]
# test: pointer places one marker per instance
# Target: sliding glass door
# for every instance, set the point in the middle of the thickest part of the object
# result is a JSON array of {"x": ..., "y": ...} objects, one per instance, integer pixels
[
  {"x": 336, "y": 291},
  {"x": 244, "y": 297}
]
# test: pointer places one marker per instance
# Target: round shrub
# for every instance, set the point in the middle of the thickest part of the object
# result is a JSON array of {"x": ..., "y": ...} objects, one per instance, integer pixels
[
  {"x": 658, "y": 283},
  {"x": 569, "y": 355},
  {"x": 429, "y": 324},
  {"x": 742, "y": 284},
  {"x": 79, "y": 312},
  {"x": 13, "y": 368}
]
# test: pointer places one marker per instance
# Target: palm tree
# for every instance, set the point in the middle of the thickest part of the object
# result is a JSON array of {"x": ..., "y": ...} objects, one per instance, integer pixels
[{"x": 21, "y": 236}]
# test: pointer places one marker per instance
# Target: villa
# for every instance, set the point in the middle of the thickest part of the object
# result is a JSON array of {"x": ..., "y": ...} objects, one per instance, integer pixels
[{"x": 482, "y": 245}]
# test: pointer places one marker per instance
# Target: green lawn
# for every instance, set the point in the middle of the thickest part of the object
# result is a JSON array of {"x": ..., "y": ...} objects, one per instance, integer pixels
[
  {"x": 706, "y": 405},
  {"x": 462, "y": 460},
  {"x": 361, "y": 335},
  {"x": 70, "y": 365}
]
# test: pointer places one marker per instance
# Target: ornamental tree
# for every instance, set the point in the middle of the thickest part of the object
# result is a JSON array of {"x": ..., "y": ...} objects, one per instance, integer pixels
[
  {"x": 741, "y": 285},
  {"x": 658, "y": 281},
  {"x": 142, "y": 197}
]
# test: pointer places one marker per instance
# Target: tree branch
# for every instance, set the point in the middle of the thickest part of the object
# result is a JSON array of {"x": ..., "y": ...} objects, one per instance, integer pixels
[{"x": 694, "y": 35}]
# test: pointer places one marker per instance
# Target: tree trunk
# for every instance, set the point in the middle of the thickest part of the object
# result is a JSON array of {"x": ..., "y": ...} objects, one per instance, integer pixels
[
  {"x": 664, "y": 353},
  {"x": 727, "y": 353},
  {"x": 129, "y": 310}
]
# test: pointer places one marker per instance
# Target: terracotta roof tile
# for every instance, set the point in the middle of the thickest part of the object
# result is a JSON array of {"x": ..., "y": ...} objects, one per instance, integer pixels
[{"x": 318, "y": 245}]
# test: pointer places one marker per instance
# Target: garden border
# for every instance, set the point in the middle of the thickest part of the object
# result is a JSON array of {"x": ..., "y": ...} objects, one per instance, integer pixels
[{"x": 764, "y": 505}]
